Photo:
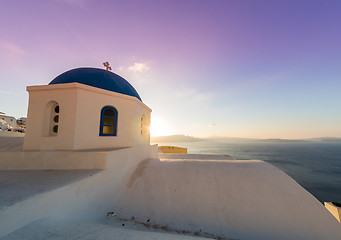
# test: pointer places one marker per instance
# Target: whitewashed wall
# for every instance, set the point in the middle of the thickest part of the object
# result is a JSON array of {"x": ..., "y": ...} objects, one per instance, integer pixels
[{"x": 79, "y": 118}]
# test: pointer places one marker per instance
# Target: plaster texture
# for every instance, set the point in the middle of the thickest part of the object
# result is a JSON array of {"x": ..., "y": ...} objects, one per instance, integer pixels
[
  {"x": 61, "y": 160},
  {"x": 17, "y": 186},
  {"x": 11, "y": 134},
  {"x": 79, "y": 118},
  {"x": 63, "y": 229},
  {"x": 10, "y": 142},
  {"x": 87, "y": 198},
  {"x": 246, "y": 199},
  {"x": 232, "y": 199},
  {"x": 13, "y": 158}
]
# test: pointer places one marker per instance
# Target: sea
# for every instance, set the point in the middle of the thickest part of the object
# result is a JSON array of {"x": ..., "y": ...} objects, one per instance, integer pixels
[{"x": 316, "y": 166}]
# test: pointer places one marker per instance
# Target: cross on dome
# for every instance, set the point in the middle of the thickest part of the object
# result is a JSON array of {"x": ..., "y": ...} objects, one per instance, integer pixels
[{"x": 107, "y": 66}]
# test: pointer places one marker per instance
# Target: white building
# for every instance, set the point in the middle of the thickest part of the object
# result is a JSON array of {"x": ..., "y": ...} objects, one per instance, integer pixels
[
  {"x": 22, "y": 121},
  {"x": 9, "y": 120},
  {"x": 86, "y": 108}
]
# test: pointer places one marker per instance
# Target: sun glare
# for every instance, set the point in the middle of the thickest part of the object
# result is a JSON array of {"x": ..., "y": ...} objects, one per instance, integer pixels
[{"x": 159, "y": 127}]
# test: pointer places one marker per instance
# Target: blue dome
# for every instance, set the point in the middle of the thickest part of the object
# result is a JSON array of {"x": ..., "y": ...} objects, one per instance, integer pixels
[{"x": 98, "y": 78}]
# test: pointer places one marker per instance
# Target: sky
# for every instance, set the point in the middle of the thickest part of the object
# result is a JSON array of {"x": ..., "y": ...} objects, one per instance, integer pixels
[{"x": 246, "y": 68}]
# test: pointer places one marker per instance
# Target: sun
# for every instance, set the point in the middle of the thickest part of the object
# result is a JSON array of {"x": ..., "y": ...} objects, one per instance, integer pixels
[{"x": 159, "y": 127}]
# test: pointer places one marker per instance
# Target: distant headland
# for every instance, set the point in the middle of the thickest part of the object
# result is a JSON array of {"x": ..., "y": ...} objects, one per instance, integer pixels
[{"x": 186, "y": 138}]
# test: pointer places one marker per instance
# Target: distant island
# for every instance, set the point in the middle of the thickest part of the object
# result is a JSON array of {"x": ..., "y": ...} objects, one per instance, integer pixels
[
  {"x": 176, "y": 138},
  {"x": 185, "y": 138}
]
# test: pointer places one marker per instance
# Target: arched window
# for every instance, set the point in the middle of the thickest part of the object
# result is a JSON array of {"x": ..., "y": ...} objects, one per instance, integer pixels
[
  {"x": 54, "y": 120},
  {"x": 108, "y": 125},
  {"x": 144, "y": 126}
]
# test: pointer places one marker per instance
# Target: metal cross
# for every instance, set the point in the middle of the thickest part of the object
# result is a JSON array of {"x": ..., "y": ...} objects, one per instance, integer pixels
[{"x": 106, "y": 65}]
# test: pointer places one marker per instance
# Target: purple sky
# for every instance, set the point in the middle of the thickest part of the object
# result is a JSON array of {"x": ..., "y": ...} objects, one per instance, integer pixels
[{"x": 228, "y": 68}]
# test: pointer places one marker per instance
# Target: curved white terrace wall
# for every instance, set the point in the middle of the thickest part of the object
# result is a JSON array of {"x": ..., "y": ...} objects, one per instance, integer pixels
[
  {"x": 90, "y": 198},
  {"x": 228, "y": 198},
  {"x": 232, "y": 199}
]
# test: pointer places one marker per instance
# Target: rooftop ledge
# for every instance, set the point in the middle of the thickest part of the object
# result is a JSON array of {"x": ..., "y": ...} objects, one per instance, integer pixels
[{"x": 57, "y": 160}]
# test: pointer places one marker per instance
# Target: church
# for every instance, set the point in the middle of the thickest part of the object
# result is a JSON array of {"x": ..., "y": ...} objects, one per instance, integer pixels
[{"x": 86, "y": 108}]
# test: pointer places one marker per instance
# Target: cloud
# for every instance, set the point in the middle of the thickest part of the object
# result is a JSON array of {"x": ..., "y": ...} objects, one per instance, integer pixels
[
  {"x": 212, "y": 125},
  {"x": 138, "y": 67},
  {"x": 77, "y": 3},
  {"x": 11, "y": 47},
  {"x": 137, "y": 74}
]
